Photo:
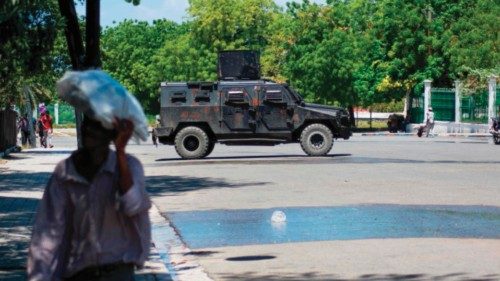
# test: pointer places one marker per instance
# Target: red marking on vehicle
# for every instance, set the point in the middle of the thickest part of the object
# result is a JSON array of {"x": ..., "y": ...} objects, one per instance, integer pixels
[{"x": 195, "y": 116}]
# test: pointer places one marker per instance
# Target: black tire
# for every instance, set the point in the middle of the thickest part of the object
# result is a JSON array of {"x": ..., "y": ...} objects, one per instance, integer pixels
[
  {"x": 316, "y": 140},
  {"x": 192, "y": 143},
  {"x": 211, "y": 146}
]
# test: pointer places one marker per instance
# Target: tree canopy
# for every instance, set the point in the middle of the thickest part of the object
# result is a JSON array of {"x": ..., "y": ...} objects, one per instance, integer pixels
[
  {"x": 346, "y": 52},
  {"x": 28, "y": 32}
]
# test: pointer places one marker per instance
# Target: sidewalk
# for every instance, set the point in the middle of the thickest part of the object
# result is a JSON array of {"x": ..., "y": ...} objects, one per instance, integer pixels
[{"x": 22, "y": 180}]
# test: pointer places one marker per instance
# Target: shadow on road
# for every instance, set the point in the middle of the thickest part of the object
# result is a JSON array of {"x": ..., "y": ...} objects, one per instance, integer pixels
[
  {"x": 249, "y": 157},
  {"x": 23, "y": 181},
  {"x": 303, "y": 159},
  {"x": 17, "y": 217},
  {"x": 165, "y": 185},
  {"x": 252, "y": 159}
]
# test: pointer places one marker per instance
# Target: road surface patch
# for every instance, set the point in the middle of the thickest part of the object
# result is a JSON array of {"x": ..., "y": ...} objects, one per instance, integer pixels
[{"x": 220, "y": 228}]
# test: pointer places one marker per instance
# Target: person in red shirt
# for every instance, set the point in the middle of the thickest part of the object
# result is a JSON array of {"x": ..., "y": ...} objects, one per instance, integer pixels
[{"x": 47, "y": 128}]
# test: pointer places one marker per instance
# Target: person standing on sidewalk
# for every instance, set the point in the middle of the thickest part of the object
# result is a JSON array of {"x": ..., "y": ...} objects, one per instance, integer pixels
[
  {"x": 93, "y": 223},
  {"x": 23, "y": 126},
  {"x": 39, "y": 130},
  {"x": 46, "y": 120},
  {"x": 429, "y": 122}
]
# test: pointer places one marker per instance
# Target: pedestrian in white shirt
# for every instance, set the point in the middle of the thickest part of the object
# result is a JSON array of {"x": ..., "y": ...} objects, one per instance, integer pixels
[{"x": 92, "y": 222}]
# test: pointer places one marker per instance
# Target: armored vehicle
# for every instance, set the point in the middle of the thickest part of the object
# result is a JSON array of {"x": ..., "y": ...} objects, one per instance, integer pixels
[{"x": 243, "y": 109}]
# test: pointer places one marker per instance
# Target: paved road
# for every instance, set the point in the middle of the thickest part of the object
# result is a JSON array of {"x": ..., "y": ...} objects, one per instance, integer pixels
[
  {"x": 432, "y": 203},
  {"x": 380, "y": 171}
]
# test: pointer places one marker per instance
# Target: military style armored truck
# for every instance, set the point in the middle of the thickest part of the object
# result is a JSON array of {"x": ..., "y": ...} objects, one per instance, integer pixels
[{"x": 241, "y": 108}]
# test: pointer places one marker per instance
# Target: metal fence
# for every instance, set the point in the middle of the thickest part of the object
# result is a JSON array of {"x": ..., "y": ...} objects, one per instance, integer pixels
[
  {"x": 497, "y": 101},
  {"x": 443, "y": 104},
  {"x": 474, "y": 108},
  {"x": 417, "y": 110},
  {"x": 8, "y": 129}
]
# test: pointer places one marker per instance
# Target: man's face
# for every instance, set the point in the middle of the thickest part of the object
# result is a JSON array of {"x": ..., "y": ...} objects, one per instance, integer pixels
[{"x": 94, "y": 135}]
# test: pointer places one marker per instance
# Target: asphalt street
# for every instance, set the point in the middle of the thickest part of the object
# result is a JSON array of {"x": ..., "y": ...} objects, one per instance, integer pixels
[
  {"x": 216, "y": 194},
  {"x": 375, "y": 208}
]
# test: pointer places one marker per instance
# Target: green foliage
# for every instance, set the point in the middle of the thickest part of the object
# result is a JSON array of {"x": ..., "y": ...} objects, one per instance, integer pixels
[
  {"x": 374, "y": 125},
  {"x": 391, "y": 106},
  {"x": 478, "y": 27},
  {"x": 128, "y": 54},
  {"x": 353, "y": 52},
  {"x": 230, "y": 24},
  {"x": 473, "y": 44},
  {"x": 28, "y": 31},
  {"x": 321, "y": 53}
]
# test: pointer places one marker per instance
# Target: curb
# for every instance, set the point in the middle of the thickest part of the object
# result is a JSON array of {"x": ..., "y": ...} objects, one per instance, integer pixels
[{"x": 172, "y": 251}]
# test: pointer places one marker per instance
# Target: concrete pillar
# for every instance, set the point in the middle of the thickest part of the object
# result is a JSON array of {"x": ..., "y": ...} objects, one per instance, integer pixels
[
  {"x": 458, "y": 115},
  {"x": 492, "y": 94},
  {"x": 427, "y": 96},
  {"x": 56, "y": 112}
]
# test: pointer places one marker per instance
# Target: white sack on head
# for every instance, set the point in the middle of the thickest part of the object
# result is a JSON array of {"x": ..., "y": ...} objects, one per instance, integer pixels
[{"x": 102, "y": 98}]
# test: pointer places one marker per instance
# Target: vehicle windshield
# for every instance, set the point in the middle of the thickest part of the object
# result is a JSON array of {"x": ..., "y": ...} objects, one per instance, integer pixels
[{"x": 296, "y": 95}]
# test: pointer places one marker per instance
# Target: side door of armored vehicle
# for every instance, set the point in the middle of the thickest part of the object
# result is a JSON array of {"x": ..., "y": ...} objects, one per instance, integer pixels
[
  {"x": 237, "y": 111},
  {"x": 276, "y": 108}
]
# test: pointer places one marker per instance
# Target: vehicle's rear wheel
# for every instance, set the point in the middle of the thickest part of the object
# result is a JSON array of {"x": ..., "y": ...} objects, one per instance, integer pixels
[
  {"x": 211, "y": 146},
  {"x": 192, "y": 143},
  {"x": 316, "y": 140}
]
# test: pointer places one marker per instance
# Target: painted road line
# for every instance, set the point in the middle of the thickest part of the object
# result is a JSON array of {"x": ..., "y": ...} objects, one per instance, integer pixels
[{"x": 219, "y": 228}]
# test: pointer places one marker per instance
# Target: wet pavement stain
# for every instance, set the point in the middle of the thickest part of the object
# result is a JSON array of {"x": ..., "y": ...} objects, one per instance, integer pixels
[{"x": 218, "y": 228}]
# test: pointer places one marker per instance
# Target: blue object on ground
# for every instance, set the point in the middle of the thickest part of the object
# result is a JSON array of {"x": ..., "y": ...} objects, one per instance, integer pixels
[{"x": 218, "y": 228}]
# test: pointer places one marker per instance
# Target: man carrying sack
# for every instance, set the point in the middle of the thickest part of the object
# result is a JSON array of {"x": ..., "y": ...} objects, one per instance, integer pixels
[{"x": 92, "y": 222}]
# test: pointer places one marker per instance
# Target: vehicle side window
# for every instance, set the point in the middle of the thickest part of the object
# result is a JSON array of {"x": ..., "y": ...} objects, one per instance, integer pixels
[
  {"x": 236, "y": 96},
  {"x": 275, "y": 94},
  {"x": 178, "y": 97}
]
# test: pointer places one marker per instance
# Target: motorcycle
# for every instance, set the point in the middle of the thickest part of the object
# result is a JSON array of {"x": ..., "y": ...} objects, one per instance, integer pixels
[{"x": 495, "y": 130}]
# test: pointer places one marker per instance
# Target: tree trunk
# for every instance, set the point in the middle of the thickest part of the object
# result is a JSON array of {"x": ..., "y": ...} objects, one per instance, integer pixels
[
  {"x": 73, "y": 34},
  {"x": 93, "y": 32},
  {"x": 80, "y": 59},
  {"x": 370, "y": 121},
  {"x": 350, "y": 108},
  {"x": 29, "y": 101},
  {"x": 75, "y": 49}
]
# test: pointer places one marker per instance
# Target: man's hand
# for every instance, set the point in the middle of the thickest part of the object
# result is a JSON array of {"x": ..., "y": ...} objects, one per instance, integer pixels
[{"x": 124, "y": 129}]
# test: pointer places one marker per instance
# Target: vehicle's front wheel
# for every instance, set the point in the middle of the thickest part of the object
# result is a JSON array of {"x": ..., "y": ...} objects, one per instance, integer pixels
[
  {"x": 192, "y": 143},
  {"x": 316, "y": 140},
  {"x": 496, "y": 139}
]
